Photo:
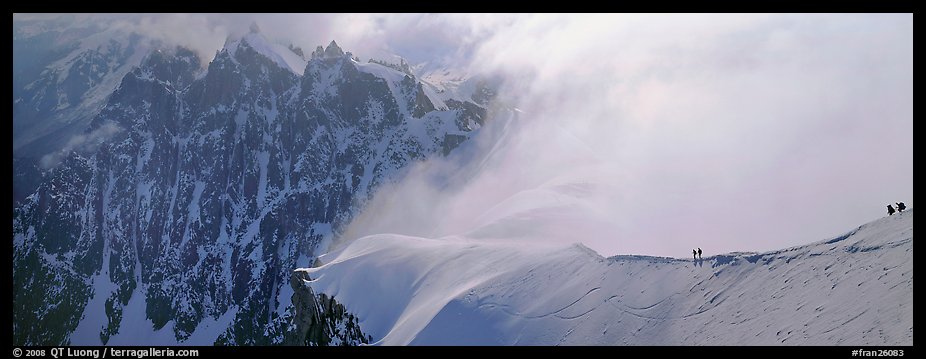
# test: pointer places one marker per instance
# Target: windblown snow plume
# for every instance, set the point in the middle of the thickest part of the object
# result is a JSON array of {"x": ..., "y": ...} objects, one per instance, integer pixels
[
  {"x": 648, "y": 135},
  {"x": 855, "y": 289},
  {"x": 516, "y": 170},
  {"x": 740, "y": 132}
]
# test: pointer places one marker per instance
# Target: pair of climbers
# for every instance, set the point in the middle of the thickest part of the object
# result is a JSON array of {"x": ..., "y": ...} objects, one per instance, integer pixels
[
  {"x": 696, "y": 254},
  {"x": 900, "y": 208}
]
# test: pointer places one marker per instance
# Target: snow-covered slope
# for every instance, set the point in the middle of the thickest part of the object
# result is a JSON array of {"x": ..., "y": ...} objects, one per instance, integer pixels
[
  {"x": 185, "y": 225},
  {"x": 62, "y": 76},
  {"x": 856, "y": 289},
  {"x": 279, "y": 54}
]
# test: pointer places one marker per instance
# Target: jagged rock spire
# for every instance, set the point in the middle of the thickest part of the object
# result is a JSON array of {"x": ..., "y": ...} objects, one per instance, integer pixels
[
  {"x": 319, "y": 52},
  {"x": 333, "y": 50}
]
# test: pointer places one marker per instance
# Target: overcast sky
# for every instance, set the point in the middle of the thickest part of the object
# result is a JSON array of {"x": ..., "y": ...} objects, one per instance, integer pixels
[{"x": 727, "y": 132}]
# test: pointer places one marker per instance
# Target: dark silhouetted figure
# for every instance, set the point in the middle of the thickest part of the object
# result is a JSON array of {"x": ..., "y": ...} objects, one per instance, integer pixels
[
  {"x": 699, "y": 253},
  {"x": 901, "y": 207},
  {"x": 694, "y": 254},
  {"x": 890, "y": 210}
]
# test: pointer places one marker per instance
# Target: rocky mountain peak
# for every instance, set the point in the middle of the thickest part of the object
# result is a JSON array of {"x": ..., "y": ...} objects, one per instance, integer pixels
[
  {"x": 333, "y": 50},
  {"x": 213, "y": 191}
]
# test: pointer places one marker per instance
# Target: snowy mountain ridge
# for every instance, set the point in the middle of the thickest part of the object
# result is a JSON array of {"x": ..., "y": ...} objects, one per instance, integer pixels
[
  {"x": 62, "y": 78},
  {"x": 281, "y": 55},
  {"x": 855, "y": 289},
  {"x": 183, "y": 200},
  {"x": 185, "y": 224}
]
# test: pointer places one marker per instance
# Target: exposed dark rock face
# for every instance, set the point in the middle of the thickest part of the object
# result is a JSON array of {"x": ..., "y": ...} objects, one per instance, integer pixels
[
  {"x": 210, "y": 188},
  {"x": 61, "y": 78},
  {"x": 319, "y": 320}
]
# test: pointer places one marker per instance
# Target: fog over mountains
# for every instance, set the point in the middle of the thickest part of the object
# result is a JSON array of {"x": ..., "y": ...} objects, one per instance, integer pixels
[{"x": 514, "y": 179}]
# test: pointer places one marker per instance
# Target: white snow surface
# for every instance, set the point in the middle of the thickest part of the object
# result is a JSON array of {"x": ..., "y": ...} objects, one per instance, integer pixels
[
  {"x": 393, "y": 79},
  {"x": 856, "y": 289},
  {"x": 94, "y": 319},
  {"x": 279, "y": 54},
  {"x": 435, "y": 88},
  {"x": 450, "y": 84},
  {"x": 137, "y": 329}
]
